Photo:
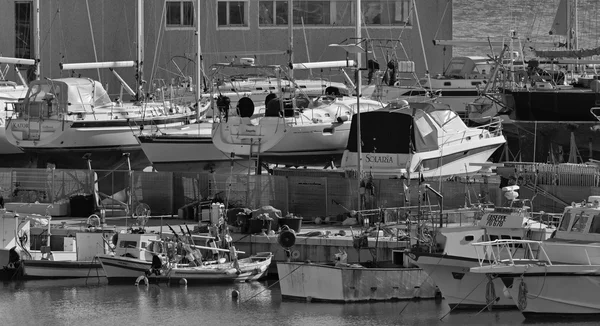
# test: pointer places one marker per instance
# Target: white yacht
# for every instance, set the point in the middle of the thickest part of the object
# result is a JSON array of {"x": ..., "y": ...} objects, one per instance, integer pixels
[{"x": 429, "y": 138}]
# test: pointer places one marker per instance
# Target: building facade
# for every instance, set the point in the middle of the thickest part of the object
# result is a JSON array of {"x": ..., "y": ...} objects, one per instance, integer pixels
[{"x": 72, "y": 31}]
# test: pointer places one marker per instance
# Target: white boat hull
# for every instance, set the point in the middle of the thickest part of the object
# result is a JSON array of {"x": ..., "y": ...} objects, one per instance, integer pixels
[
  {"x": 8, "y": 94},
  {"x": 449, "y": 161},
  {"x": 460, "y": 288},
  {"x": 174, "y": 150},
  {"x": 122, "y": 269},
  {"x": 557, "y": 291},
  {"x": 317, "y": 282},
  {"x": 45, "y": 269},
  {"x": 240, "y": 137}
]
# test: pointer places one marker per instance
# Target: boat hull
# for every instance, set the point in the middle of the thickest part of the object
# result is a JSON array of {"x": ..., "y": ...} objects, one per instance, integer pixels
[
  {"x": 238, "y": 136},
  {"x": 450, "y": 161},
  {"x": 460, "y": 288},
  {"x": 319, "y": 282},
  {"x": 122, "y": 269},
  {"x": 45, "y": 269},
  {"x": 63, "y": 143},
  {"x": 556, "y": 291},
  {"x": 188, "y": 153}
]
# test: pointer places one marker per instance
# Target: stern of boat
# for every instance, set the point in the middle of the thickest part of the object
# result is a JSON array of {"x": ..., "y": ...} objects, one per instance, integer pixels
[{"x": 239, "y": 136}]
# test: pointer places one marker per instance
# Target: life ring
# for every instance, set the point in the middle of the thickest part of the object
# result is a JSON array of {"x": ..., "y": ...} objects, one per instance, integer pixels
[{"x": 141, "y": 279}]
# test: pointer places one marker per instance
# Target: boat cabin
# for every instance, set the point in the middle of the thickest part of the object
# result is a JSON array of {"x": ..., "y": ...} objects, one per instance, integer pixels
[
  {"x": 579, "y": 226},
  {"x": 62, "y": 97},
  {"x": 134, "y": 245},
  {"x": 393, "y": 135},
  {"x": 462, "y": 72},
  {"x": 581, "y": 221},
  {"x": 513, "y": 222}
]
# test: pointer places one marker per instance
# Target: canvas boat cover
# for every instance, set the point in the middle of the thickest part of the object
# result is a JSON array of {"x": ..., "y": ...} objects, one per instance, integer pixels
[
  {"x": 403, "y": 131},
  {"x": 76, "y": 94}
]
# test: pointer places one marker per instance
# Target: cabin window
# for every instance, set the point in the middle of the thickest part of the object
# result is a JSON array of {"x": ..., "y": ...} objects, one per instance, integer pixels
[
  {"x": 128, "y": 244},
  {"x": 565, "y": 221},
  {"x": 232, "y": 13},
  {"x": 595, "y": 227},
  {"x": 447, "y": 84},
  {"x": 144, "y": 244},
  {"x": 23, "y": 29},
  {"x": 579, "y": 222},
  {"x": 493, "y": 237},
  {"x": 476, "y": 83},
  {"x": 469, "y": 238},
  {"x": 179, "y": 14}
]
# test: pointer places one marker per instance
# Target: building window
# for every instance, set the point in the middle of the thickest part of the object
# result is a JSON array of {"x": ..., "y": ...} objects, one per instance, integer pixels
[
  {"x": 335, "y": 12},
  {"x": 23, "y": 30},
  {"x": 272, "y": 12},
  {"x": 180, "y": 13},
  {"x": 386, "y": 12},
  {"x": 232, "y": 13}
]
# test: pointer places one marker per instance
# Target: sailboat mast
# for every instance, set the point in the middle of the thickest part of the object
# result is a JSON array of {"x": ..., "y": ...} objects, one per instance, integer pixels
[
  {"x": 575, "y": 27},
  {"x": 198, "y": 56},
  {"x": 358, "y": 88},
  {"x": 140, "y": 49},
  {"x": 291, "y": 32},
  {"x": 36, "y": 38}
]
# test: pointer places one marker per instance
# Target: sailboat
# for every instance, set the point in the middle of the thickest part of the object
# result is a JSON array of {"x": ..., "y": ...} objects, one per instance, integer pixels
[
  {"x": 554, "y": 110},
  {"x": 190, "y": 147},
  {"x": 62, "y": 120},
  {"x": 10, "y": 92}
]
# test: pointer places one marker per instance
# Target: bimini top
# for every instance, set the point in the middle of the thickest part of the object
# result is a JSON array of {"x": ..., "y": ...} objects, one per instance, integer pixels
[
  {"x": 466, "y": 67},
  {"x": 417, "y": 127},
  {"x": 72, "y": 94}
]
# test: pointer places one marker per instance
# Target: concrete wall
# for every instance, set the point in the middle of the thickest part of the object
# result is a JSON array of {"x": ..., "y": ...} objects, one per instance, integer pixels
[{"x": 69, "y": 35}]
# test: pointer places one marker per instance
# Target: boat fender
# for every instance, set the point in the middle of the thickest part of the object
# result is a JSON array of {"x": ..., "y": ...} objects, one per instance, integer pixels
[
  {"x": 235, "y": 294},
  {"x": 287, "y": 238},
  {"x": 183, "y": 281},
  {"x": 140, "y": 279}
]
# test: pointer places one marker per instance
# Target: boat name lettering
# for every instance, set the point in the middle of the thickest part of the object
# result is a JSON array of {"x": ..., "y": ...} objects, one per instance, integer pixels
[
  {"x": 379, "y": 159},
  {"x": 20, "y": 125},
  {"x": 496, "y": 220}
]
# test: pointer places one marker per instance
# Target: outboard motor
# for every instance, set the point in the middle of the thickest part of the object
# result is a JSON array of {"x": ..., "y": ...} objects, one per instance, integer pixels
[
  {"x": 155, "y": 267},
  {"x": 14, "y": 259}
]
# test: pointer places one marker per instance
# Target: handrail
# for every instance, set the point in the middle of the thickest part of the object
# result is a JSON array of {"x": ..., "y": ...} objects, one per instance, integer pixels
[{"x": 491, "y": 252}]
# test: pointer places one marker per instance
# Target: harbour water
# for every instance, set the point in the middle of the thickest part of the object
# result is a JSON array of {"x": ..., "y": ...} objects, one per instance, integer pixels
[{"x": 68, "y": 302}]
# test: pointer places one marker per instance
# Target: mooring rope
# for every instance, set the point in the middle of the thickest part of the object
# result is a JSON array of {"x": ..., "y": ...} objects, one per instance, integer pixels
[
  {"x": 425, "y": 280},
  {"x": 463, "y": 299},
  {"x": 270, "y": 286}
]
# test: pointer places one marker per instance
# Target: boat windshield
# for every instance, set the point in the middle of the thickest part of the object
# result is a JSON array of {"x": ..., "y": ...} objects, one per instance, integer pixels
[
  {"x": 565, "y": 221},
  {"x": 40, "y": 92}
]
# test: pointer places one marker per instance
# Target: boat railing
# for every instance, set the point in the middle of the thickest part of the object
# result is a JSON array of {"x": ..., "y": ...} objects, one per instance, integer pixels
[
  {"x": 494, "y": 126},
  {"x": 502, "y": 251}
]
